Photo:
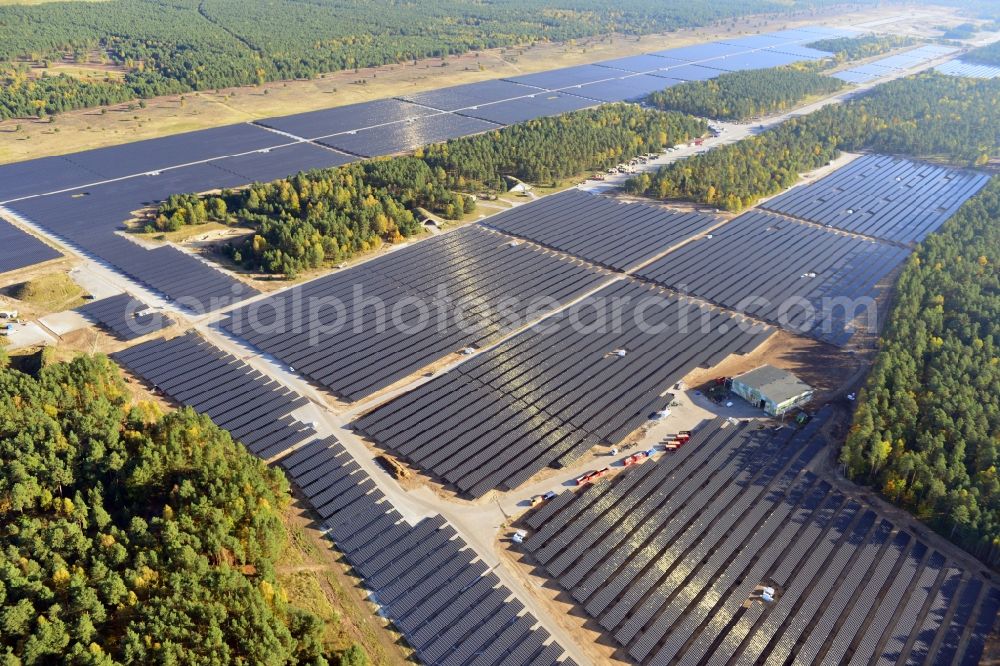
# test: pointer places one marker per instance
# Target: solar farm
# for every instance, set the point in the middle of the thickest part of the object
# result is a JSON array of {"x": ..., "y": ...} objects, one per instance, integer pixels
[
  {"x": 551, "y": 393},
  {"x": 882, "y": 197},
  {"x": 508, "y": 353},
  {"x": 672, "y": 560}
]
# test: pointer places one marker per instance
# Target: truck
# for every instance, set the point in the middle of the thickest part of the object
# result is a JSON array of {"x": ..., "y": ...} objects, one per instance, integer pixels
[
  {"x": 635, "y": 458},
  {"x": 591, "y": 476},
  {"x": 699, "y": 142},
  {"x": 6, "y": 329},
  {"x": 8, "y": 315}
]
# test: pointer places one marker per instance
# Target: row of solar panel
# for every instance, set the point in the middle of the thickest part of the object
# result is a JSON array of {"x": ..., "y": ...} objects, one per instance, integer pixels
[
  {"x": 413, "y": 572},
  {"x": 806, "y": 279},
  {"x": 601, "y": 230},
  {"x": 125, "y": 317},
  {"x": 193, "y": 372},
  {"x": 670, "y": 559},
  {"x": 974, "y": 70},
  {"x": 434, "y": 588},
  {"x": 21, "y": 249},
  {"x": 393, "y": 315},
  {"x": 893, "y": 64},
  {"x": 882, "y": 197},
  {"x": 590, "y": 375}
]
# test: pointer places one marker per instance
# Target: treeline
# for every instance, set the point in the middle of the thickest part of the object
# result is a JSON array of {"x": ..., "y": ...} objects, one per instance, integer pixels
[
  {"x": 549, "y": 149},
  {"x": 324, "y": 216},
  {"x": 865, "y": 46},
  {"x": 988, "y": 55},
  {"x": 21, "y": 96},
  {"x": 182, "y": 45},
  {"x": 744, "y": 95},
  {"x": 327, "y": 215},
  {"x": 929, "y": 115},
  {"x": 927, "y": 428},
  {"x": 128, "y": 537}
]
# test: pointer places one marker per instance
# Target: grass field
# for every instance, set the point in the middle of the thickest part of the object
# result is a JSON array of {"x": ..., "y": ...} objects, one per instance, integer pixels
[{"x": 53, "y": 292}]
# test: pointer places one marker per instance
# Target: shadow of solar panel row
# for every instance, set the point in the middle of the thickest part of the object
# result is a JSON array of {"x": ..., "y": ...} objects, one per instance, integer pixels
[
  {"x": 883, "y": 197},
  {"x": 401, "y": 311},
  {"x": 669, "y": 557},
  {"x": 798, "y": 276},
  {"x": 552, "y": 392},
  {"x": 254, "y": 409},
  {"x": 405, "y": 135},
  {"x": 445, "y": 601},
  {"x": 19, "y": 249},
  {"x": 973, "y": 70},
  {"x": 599, "y": 229},
  {"x": 121, "y": 316}
]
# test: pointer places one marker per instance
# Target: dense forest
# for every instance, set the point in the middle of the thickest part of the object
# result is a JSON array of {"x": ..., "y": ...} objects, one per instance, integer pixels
[
  {"x": 744, "y": 95},
  {"x": 170, "y": 47},
  {"x": 129, "y": 537},
  {"x": 989, "y": 54},
  {"x": 547, "y": 149},
  {"x": 927, "y": 428},
  {"x": 948, "y": 118},
  {"x": 328, "y": 215},
  {"x": 865, "y": 46}
]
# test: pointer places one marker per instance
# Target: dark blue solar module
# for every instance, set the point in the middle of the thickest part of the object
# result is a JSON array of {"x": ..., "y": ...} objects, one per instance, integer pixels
[
  {"x": 802, "y": 52},
  {"x": 972, "y": 70},
  {"x": 47, "y": 174},
  {"x": 280, "y": 162},
  {"x": 747, "y": 61},
  {"x": 697, "y": 52},
  {"x": 527, "y": 108},
  {"x": 397, "y": 137},
  {"x": 470, "y": 94},
  {"x": 314, "y": 124},
  {"x": 563, "y": 78},
  {"x": 861, "y": 74},
  {"x": 626, "y": 89},
  {"x": 158, "y": 154},
  {"x": 689, "y": 73},
  {"x": 882, "y": 197},
  {"x": 89, "y": 219},
  {"x": 758, "y": 41},
  {"x": 825, "y": 32},
  {"x": 18, "y": 249},
  {"x": 640, "y": 63}
]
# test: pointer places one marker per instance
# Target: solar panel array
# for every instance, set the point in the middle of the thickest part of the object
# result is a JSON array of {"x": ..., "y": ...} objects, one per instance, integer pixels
[
  {"x": 444, "y": 600},
  {"x": 402, "y": 136},
  {"x": 974, "y": 70},
  {"x": 883, "y": 197},
  {"x": 435, "y": 297},
  {"x": 254, "y": 409},
  {"x": 669, "y": 558},
  {"x": 589, "y": 376},
  {"x": 19, "y": 249},
  {"x": 789, "y": 273},
  {"x": 418, "y": 575},
  {"x": 522, "y": 109},
  {"x": 125, "y": 317},
  {"x": 121, "y": 179},
  {"x": 892, "y": 64},
  {"x": 599, "y": 229}
]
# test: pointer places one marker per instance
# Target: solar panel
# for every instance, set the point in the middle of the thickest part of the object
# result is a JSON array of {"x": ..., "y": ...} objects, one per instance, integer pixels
[
  {"x": 325, "y": 122},
  {"x": 528, "y": 108},
  {"x": 19, "y": 249},
  {"x": 470, "y": 94},
  {"x": 883, "y": 197},
  {"x": 405, "y": 135},
  {"x": 126, "y": 317}
]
